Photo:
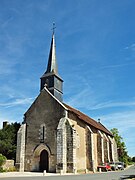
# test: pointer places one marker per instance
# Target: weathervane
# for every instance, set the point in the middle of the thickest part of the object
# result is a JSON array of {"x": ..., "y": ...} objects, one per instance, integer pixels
[{"x": 54, "y": 27}]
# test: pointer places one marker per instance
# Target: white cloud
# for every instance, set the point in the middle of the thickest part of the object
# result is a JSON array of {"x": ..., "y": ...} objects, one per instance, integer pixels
[
  {"x": 125, "y": 123},
  {"x": 79, "y": 98},
  {"x": 11, "y": 53},
  {"x": 6, "y": 67},
  {"x": 131, "y": 47},
  {"x": 3, "y": 120},
  {"x": 84, "y": 98},
  {"x": 111, "y": 104},
  {"x": 117, "y": 65},
  {"x": 87, "y": 99},
  {"x": 6, "y": 22},
  {"x": 15, "y": 45},
  {"x": 17, "y": 102},
  {"x": 122, "y": 120},
  {"x": 130, "y": 50}
]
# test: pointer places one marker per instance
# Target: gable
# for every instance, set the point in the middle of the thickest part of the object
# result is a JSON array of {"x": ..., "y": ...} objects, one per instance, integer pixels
[
  {"x": 44, "y": 99},
  {"x": 45, "y": 109}
]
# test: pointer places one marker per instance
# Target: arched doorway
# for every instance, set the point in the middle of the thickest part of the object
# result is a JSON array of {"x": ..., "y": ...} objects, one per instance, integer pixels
[{"x": 44, "y": 161}]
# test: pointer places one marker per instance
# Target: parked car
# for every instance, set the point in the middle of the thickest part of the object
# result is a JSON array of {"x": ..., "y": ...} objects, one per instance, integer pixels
[
  {"x": 120, "y": 165},
  {"x": 104, "y": 167},
  {"x": 113, "y": 165}
]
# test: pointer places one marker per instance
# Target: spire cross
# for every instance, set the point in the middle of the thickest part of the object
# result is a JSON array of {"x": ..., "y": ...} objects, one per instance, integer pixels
[{"x": 54, "y": 27}]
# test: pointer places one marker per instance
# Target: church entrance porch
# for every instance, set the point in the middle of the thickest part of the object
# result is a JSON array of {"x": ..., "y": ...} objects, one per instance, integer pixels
[
  {"x": 41, "y": 159},
  {"x": 44, "y": 162}
]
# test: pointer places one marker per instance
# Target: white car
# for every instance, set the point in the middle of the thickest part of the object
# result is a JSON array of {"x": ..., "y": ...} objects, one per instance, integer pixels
[{"x": 120, "y": 165}]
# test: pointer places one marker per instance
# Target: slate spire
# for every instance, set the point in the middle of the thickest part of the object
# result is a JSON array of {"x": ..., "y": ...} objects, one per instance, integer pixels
[
  {"x": 52, "y": 62},
  {"x": 50, "y": 78}
]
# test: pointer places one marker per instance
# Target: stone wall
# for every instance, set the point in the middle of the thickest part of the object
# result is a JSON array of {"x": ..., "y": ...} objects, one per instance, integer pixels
[
  {"x": 69, "y": 139},
  {"x": 105, "y": 149},
  {"x": 89, "y": 149},
  {"x": 80, "y": 151},
  {"x": 8, "y": 165},
  {"x": 66, "y": 146},
  {"x": 95, "y": 159},
  {"x": 46, "y": 111},
  {"x": 20, "y": 152},
  {"x": 99, "y": 149},
  {"x": 61, "y": 146},
  {"x": 115, "y": 150},
  {"x": 110, "y": 150}
]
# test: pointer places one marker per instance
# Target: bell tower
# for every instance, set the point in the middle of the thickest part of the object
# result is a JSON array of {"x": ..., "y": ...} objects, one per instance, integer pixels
[{"x": 50, "y": 78}]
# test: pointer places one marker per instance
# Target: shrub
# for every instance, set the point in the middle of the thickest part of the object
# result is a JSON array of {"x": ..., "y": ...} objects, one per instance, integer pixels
[
  {"x": 2, "y": 170},
  {"x": 2, "y": 159},
  {"x": 12, "y": 169}
]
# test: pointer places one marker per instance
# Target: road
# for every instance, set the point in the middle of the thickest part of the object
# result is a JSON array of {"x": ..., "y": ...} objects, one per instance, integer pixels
[{"x": 97, "y": 176}]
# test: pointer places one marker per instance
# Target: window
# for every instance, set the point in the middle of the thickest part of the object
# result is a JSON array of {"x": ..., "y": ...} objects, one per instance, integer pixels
[{"x": 42, "y": 132}]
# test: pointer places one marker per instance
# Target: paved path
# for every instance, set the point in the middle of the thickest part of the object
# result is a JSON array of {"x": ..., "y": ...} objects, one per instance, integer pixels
[
  {"x": 26, "y": 174},
  {"x": 50, "y": 176},
  {"x": 30, "y": 174}
]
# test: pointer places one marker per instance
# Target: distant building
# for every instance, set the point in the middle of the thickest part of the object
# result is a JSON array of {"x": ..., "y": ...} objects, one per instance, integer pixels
[
  {"x": 5, "y": 123},
  {"x": 56, "y": 137}
]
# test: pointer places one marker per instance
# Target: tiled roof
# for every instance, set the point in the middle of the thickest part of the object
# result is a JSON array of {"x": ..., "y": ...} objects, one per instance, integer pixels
[{"x": 88, "y": 120}]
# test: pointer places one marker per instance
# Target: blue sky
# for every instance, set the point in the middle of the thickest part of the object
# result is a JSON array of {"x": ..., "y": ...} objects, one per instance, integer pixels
[{"x": 95, "y": 48}]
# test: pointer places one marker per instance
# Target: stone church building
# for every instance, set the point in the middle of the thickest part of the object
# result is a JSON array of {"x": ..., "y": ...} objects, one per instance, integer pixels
[{"x": 57, "y": 137}]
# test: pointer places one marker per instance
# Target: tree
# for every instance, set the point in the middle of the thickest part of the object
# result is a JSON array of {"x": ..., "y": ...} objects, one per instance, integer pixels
[
  {"x": 122, "y": 153},
  {"x": 133, "y": 159},
  {"x": 8, "y": 140}
]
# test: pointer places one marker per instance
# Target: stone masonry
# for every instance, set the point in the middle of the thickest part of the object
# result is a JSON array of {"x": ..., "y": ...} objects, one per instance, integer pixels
[{"x": 20, "y": 155}]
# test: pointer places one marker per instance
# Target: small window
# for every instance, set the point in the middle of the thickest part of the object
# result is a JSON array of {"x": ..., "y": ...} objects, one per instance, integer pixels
[{"x": 42, "y": 133}]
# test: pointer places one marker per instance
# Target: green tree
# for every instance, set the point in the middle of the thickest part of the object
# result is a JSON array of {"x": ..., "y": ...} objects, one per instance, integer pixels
[
  {"x": 122, "y": 152},
  {"x": 133, "y": 159},
  {"x": 8, "y": 140}
]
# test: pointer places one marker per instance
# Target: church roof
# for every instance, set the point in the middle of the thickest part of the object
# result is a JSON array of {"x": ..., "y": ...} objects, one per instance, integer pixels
[{"x": 88, "y": 120}]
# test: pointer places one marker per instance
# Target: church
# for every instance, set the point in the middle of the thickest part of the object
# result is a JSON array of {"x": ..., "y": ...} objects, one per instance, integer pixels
[{"x": 57, "y": 137}]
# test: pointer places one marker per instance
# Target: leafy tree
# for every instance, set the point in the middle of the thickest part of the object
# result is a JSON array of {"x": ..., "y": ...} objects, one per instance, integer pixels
[
  {"x": 133, "y": 159},
  {"x": 8, "y": 140},
  {"x": 122, "y": 152}
]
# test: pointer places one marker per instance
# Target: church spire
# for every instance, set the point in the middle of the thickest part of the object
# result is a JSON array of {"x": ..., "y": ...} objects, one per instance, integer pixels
[
  {"x": 52, "y": 63},
  {"x": 50, "y": 78}
]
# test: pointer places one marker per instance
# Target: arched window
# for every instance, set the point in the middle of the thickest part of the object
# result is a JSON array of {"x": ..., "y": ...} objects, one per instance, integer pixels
[{"x": 42, "y": 132}]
